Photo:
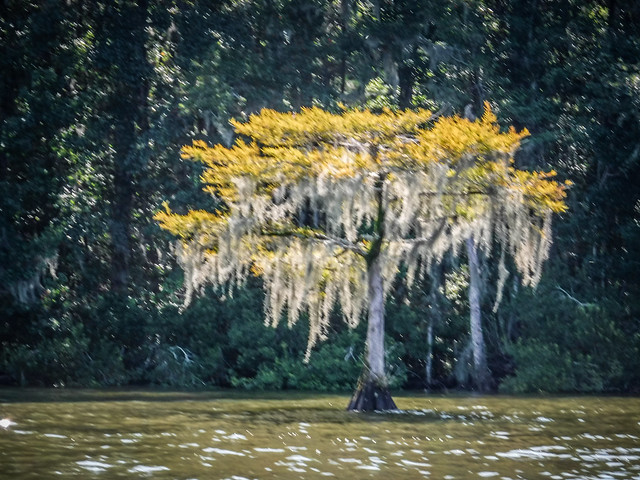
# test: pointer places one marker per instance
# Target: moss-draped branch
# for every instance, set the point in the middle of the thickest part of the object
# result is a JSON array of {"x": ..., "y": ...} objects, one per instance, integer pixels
[{"x": 393, "y": 187}]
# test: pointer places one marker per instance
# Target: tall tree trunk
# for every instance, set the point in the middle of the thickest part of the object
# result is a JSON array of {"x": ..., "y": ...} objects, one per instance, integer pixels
[
  {"x": 405, "y": 83},
  {"x": 345, "y": 17},
  {"x": 480, "y": 370},
  {"x": 428, "y": 369},
  {"x": 128, "y": 108},
  {"x": 373, "y": 393},
  {"x": 375, "y": 326}
]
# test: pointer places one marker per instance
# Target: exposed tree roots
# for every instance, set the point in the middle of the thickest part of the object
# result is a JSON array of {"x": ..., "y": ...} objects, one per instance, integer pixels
[{"x": 370, "y": 397}]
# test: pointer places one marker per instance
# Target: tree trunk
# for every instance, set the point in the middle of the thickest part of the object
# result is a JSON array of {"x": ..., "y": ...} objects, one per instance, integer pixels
[
  {"x": 345, "y": 16},
  {"x": 405, "y": 83},
  {"x": 125, "y": 26},
  {"x": 372, "y": 392},
  {"x": 428, "y": 369},
  {"x": 480, "y": 370}
]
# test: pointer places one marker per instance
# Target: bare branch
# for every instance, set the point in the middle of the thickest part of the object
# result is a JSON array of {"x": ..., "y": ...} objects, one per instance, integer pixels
[
  {"x": 458, "y": 194},
  {"x": 314, "y": 235},
  {"x": 571, "y": 297},
  {"x": 420, "y": 242}
]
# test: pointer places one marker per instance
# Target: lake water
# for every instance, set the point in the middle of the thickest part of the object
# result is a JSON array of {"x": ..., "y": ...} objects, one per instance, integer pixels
[{"x": 123, "y": 434}]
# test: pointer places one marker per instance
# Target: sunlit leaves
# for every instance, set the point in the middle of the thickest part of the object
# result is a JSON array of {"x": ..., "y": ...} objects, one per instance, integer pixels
[
  {"x": 453, "y": 138},
  {"x": 312, "y": 125},
  {"x": 311, "y": 198},
  {"x": 197, "y": 222}
]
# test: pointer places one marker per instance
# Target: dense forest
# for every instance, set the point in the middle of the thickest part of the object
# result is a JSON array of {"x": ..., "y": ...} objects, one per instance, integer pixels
[{"x": 98, "y": 97}]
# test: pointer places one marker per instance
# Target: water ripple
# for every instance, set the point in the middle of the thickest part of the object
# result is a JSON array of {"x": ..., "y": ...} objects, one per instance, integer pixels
[
  {"x": 94, "y": 466},
  {"x": 222, "y": 451},
  {"x": 148, "y": 469}
]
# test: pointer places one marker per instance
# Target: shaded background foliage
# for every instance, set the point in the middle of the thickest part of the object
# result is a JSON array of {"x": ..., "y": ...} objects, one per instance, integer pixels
[{"x": 97, "y": 97}]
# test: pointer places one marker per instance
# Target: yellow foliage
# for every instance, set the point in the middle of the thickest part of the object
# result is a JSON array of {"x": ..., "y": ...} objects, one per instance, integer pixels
[
  {"x": 197, "y": 223},
  {"x": 453, "y": 138},
  {"x": 539, "y": 192},
  {"x": 278, "y": 149},
  {"x": 390, "y": 189},
  {"x": 314, "y": 125}
]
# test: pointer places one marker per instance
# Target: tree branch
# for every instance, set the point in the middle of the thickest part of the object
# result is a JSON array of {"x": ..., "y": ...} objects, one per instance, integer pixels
[
  {"x": 458, "y": 194},
  {"x": 314, "y": 235},
  {"x": 571, "y": 297},
  {"x": 418, "y": 242}
]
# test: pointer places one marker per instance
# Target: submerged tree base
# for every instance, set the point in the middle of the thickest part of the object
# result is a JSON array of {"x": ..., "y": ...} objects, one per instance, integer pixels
[{"x": 370, "y": 397}]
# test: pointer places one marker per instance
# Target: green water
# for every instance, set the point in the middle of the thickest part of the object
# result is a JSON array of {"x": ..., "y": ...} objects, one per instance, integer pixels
[{"x": 96, "y": 434}]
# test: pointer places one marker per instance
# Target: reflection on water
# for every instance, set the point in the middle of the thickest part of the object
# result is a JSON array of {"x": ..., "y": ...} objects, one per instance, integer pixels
[{"x": 90, "y": 434}]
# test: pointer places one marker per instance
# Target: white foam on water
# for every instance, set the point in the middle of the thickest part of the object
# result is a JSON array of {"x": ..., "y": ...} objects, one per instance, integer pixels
[
  {"x": 538, "y": 452},
  {"x": 300, "y": 459},
  {"x": 410, "y": 463},
  {"x": 222, "y": 451},
  {"x": 297, "y": 449},
  {"x": 455, "y": 452},
  {"x": 544, "y": 419},
  {"x": 594, "y": 437},
  {"x": 606, "y": 456},
  {"x": 94, "y": 466},
  {"x": 6, "y": 423},
  {"x": 148, "y": 469}
]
